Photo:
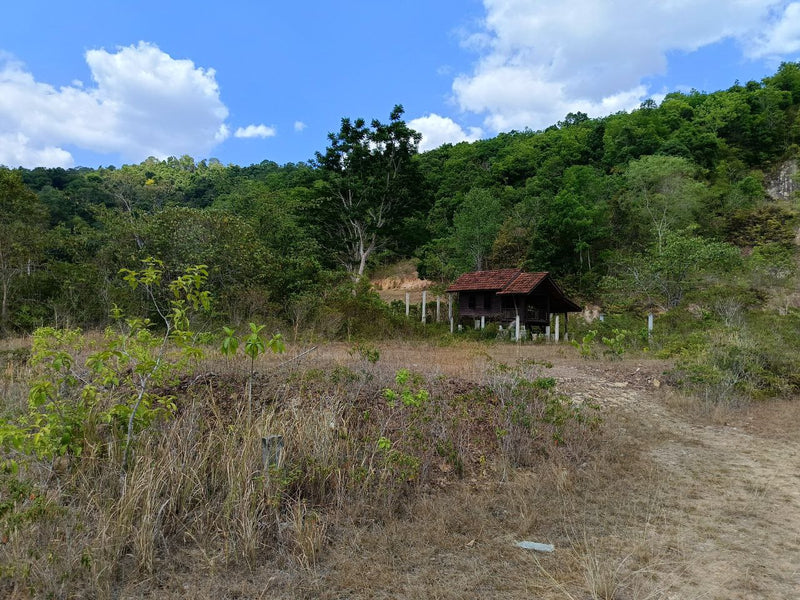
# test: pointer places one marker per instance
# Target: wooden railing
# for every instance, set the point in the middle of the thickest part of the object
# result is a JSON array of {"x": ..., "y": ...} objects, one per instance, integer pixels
[
  {"x": 532, "y": 314},
  {"x": 537, "y": 314}
]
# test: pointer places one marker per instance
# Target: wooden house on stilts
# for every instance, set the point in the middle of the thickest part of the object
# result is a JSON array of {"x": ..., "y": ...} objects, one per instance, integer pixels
[{"x": 502, "y": 295}]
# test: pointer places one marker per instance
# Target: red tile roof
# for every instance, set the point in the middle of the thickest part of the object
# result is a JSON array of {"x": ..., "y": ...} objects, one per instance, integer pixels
[
  {"x": 525, "y": 283},
  {"x": 485, "y": 280},
  {"x": 514, "y": 281}
]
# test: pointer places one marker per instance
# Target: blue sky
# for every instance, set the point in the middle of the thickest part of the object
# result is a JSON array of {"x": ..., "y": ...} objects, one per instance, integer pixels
[{"x": 98, "y": 83}]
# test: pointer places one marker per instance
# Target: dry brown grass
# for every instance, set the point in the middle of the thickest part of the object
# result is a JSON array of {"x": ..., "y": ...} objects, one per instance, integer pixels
[{"x": 655, "y": 505}]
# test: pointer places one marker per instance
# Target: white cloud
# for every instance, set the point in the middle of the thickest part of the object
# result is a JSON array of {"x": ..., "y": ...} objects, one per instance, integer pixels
[
  {"x": 299, "y": 126},
  {"x": 255, "y": 131},
  {"x": 142, "y": 102},
  {"x": 781, "y": 38},
  {"x": 437, "y": 130},
  {"x": 223, "y": 133},
  {"x": 16, "y": 149},
  {"x": 539, "y": 60}
]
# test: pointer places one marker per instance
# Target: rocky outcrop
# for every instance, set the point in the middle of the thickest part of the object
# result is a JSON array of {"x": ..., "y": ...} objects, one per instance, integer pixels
[{"x": 783, "y": 184}]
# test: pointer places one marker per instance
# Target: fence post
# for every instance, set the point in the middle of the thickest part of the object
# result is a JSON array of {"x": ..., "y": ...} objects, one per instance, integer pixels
[
  {"x": 408, "y": 303},
  {"x": 271, "y": 451},
  {"x": 450, "y": 306},
  {"x": 517, "y": 328},
  {"x": 558, "y": 326},
  {"x": 424, "y": 302},
  {"x": 649, "y": 324},
  {"x": 438, "y": 308}
]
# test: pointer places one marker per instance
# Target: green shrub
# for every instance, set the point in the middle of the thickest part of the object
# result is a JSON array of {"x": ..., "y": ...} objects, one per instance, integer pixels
[
  {"x": 585, "y": 346},
  {"x": 759, "y": 360}
]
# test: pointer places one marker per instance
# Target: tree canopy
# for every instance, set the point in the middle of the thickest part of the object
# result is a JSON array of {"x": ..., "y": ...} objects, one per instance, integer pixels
[
  {"x": 588, "y": 199},
  {"x": 370, "y": 182}
]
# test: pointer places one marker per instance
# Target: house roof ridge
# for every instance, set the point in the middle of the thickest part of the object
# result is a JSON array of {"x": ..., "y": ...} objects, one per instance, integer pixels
[
  {"x": 526, "y": 282},
  {"x": 512, "y": 280}
]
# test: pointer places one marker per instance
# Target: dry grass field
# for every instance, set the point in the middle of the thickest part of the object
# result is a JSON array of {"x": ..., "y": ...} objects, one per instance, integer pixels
[{"x": 668, "y": 498}]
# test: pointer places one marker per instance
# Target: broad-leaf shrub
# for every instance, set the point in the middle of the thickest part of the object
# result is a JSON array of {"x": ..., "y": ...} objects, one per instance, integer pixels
[{"x": 93, "y": 396}]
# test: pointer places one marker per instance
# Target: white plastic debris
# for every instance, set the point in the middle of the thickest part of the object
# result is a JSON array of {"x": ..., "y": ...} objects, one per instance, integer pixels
[{"x": 536, "y": 546}]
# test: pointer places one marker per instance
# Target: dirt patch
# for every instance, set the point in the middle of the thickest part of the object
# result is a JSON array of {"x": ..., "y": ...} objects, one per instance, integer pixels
[{"x": 731, "y": 506}]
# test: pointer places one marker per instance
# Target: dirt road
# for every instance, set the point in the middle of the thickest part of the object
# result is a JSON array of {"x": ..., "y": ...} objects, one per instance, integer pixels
[{"x": 727, "y": 511}]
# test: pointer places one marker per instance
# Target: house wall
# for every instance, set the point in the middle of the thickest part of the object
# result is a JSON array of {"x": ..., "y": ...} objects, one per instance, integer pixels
[
  {"x": 531, "y": 309},
  {"x": 481, "y": 308},
  {"x": 537, "y": 309}
]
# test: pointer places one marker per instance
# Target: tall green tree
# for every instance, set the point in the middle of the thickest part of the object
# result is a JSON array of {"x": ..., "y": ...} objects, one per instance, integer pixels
[
  {"x": 468, "y": 244},
  {"x": 277, "y": 217},
  {"x": 662, "y": 276},
  {"x": 23, "y": 222},
  {"x": 475, "y": 227},
  {"x": 574, "y": 223},
  {"x": 662, "y": 195},
  {"x": 371, "y": 184},
  {"x": 236, "y": 260}
]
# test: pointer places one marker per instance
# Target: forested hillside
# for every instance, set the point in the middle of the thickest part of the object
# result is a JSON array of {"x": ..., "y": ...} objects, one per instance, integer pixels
[
  {"x": 220, "y": 439},
  {"x": 633, "y": 210}
]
